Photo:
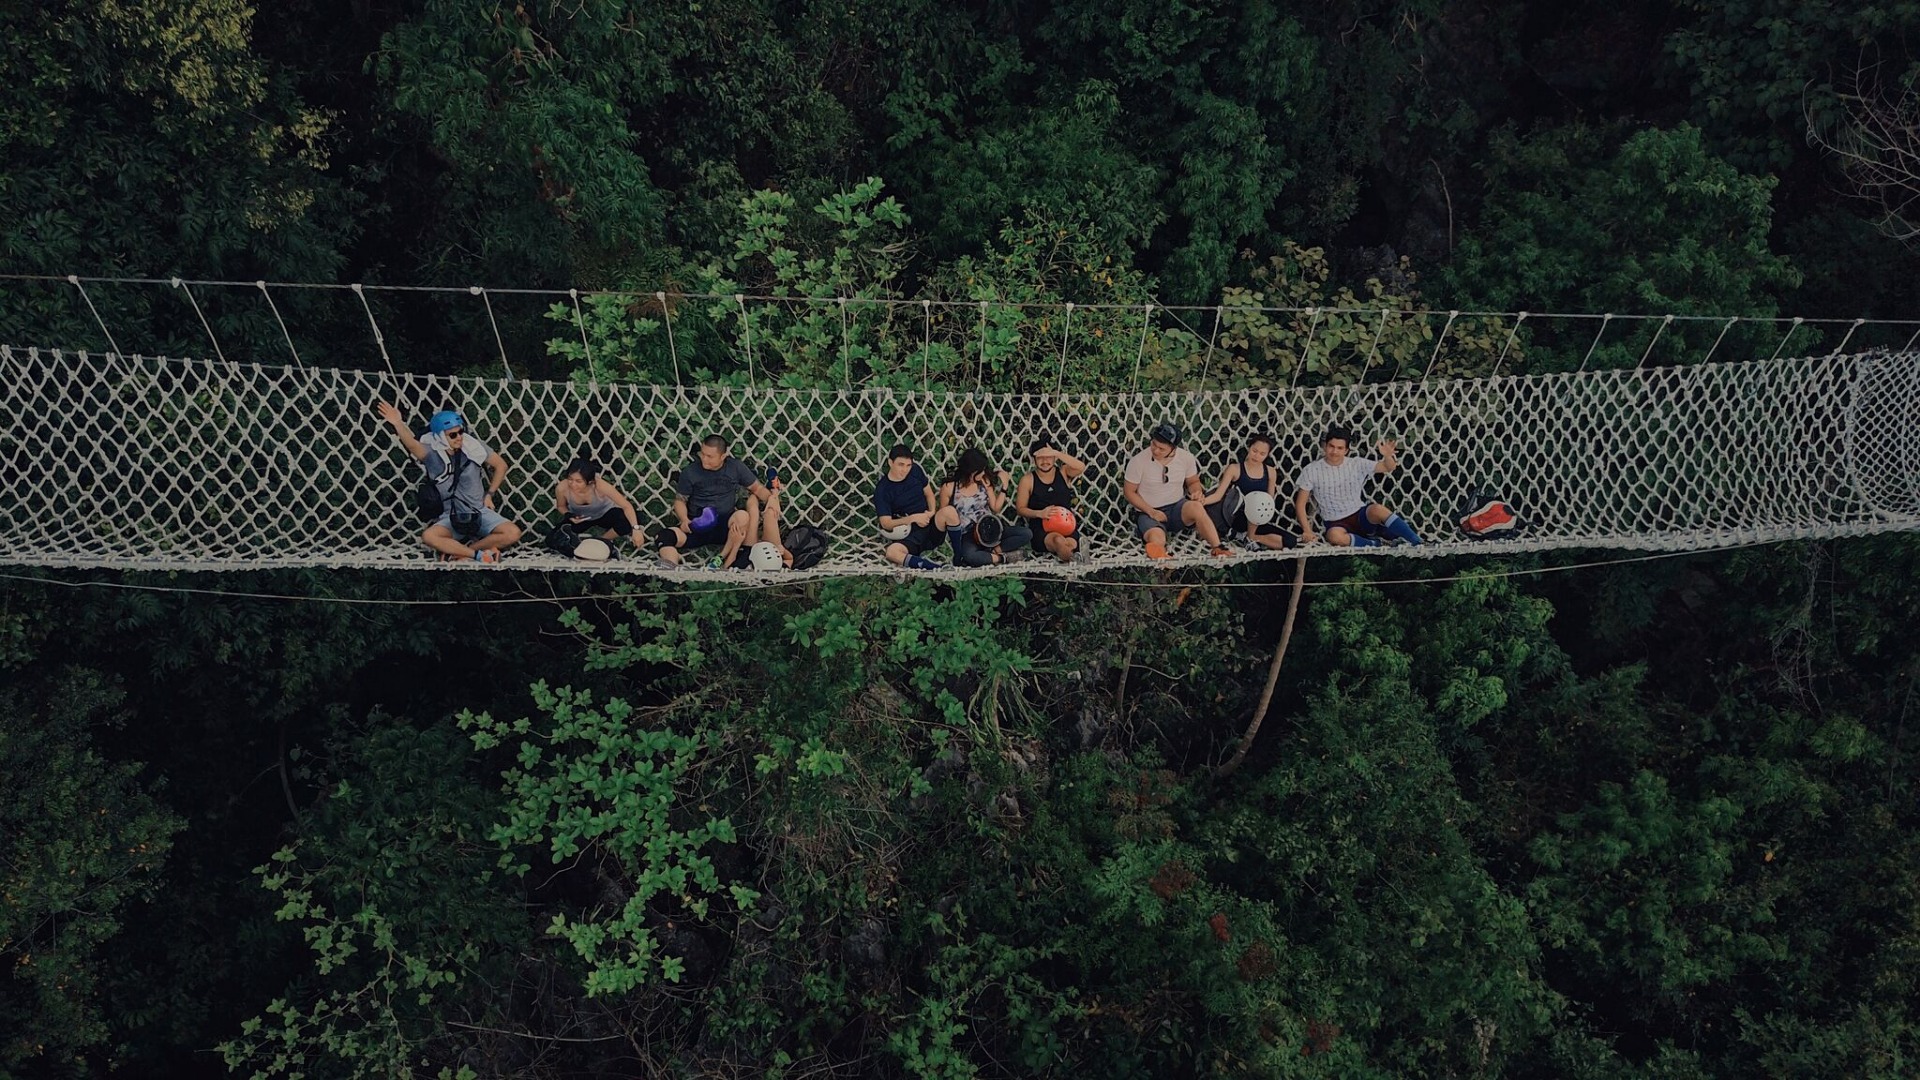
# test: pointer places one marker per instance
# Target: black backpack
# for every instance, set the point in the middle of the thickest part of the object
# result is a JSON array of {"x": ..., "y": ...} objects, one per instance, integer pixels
[
  {"x": 428, "y": 501},
  {"x": 808, "y": 543},
  {"x": 561, "y": 540}
]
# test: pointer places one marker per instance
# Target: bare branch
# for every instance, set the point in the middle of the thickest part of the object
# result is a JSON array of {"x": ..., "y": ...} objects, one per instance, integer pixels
[{"x": 1877, "y": 145}]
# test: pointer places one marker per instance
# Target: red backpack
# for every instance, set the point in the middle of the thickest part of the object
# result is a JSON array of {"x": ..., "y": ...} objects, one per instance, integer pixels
[{"x": 1488, "y": 517}]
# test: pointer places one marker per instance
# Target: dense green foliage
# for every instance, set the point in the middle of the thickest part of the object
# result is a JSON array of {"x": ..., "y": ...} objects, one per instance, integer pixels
[{"x": 1649, "y": 821}]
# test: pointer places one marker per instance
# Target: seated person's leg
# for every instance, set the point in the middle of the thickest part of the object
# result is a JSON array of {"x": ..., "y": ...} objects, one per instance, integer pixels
[
  {"x": 440, "y": 539},
  {"x": 1272, "y": 537},
  {"x": 1196, "y": 517},
  {"x": 1017, "y": 538},
  {"x": 1151, "y": 532},
  {"x": 672, "y": 539},
  {"x": 1176, "y": 518},
  {"x": 614, "y": 525},
  {"x": 496, "y": 532},
  {"x": 770, "y": 521},
  {"x": 1391, "y": 524},
  {"x": 896, "y": 553},
  {"x": 738, "y": 526},
  {"x": 966, "y": 552},
  {"x": 913, "y": 549},
  {"x": 1353, "y": 530}
]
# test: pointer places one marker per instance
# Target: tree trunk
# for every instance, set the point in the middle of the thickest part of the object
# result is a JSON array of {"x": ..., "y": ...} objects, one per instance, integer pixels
[{"x": 1273, "y": 675}]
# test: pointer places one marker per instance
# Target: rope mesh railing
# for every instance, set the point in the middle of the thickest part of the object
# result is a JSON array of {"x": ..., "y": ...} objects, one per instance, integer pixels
[{"x": 139, "y": 462}]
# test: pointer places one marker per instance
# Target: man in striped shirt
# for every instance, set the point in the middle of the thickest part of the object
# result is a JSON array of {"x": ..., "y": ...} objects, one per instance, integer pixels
[{"x": 1337, "y": 484}]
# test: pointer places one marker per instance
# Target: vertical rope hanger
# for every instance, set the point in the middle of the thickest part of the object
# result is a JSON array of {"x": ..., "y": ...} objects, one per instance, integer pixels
[
  {"x": 1512, "y": 336},
  {"x": 846, "y": 347},
  {"x": 379, "y": 338},
  {"x": 580, "y": 321},
  {"x": 74, "y": 280},
  {"x": 204, "y": 325},
  {"x": 1146, "y": 324},
  {"x": 1305, "y": 347},
  {"x": 673, "y": 351},
  {"x": 1431, "y": 360},
  {"x": 1842, "y": 347},
  {"x": 926, "y": 345},
  {"x": 1604, "y": 320},
  {"x": 982, "y": 378},
  {"x": 1722, "y": 337},
  {"x": 1373, "y": 351},
  {"x": 1066, "y": 330},
  {"x": 746, "y": 323},
  {"x": 1664, "y": 323},
  {"x": 1778, "y": 349},
  {"x": 1207, "y": 364},
  {"x": 476, "y": 290},
  {"x": 275, "y": 308}
]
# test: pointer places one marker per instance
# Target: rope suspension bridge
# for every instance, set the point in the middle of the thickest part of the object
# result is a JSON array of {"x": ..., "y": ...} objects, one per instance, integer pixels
[{"x": 139, "y": 462}]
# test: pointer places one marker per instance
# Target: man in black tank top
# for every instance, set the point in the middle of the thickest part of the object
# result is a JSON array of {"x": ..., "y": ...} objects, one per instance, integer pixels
[{"x": 1046, "y": 490}]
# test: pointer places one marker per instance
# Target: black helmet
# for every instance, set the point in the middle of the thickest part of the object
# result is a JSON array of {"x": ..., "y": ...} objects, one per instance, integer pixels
[
  {"x": 1166, "y": 433},
  {"x": 988, "y": 531}
]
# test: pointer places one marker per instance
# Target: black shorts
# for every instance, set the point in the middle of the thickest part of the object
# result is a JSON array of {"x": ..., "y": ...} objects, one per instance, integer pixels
[
  {"x": 1239, "y": 525},
  {"x": 922, "y": 539},
  {"x": 615, "y": 519},
  {"x": 714, "y": 535}
]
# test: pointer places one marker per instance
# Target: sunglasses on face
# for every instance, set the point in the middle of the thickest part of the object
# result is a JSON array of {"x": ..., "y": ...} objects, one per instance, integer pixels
[{"x": 454, "y": 433}]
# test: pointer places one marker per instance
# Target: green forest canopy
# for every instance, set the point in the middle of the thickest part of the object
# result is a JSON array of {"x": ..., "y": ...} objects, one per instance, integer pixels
[{"x": 1647, "y": 820}]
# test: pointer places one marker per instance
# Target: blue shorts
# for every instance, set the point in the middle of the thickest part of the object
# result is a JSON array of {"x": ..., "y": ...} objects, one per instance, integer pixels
[
  {"x": 1175, "y": 525},
  {"x": 489, "y": 521}
]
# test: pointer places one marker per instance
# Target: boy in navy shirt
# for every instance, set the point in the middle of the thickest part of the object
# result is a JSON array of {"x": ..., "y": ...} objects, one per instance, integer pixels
[{"x": 904, "y": 501}]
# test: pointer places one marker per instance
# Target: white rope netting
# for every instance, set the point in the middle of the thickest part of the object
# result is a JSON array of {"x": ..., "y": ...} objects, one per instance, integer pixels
[{"x": 136, "y": 462}]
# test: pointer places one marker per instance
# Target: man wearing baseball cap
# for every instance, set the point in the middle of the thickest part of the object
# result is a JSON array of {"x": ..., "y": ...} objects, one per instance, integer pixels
[{"x": 1163, "y": 486}]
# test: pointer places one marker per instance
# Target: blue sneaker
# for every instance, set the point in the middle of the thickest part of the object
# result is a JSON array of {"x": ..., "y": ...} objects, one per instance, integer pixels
[
  {"x": 773, "y": 478},
  {"x": 921, "y": 562}
]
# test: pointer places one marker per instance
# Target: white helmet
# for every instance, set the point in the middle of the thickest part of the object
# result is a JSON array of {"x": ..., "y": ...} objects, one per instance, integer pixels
[
  {"x": 1259, "y": 508},
  {"x": 898, "y": 532},
  {"x": 592, "y": 549},
  {"x": 765, "y": 556}
]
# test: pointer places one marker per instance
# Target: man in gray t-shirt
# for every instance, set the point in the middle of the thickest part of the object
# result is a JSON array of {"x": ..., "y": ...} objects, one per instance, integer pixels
[
  {"x": 467, "y": 474},
  {"x": 706, "y": 508}
]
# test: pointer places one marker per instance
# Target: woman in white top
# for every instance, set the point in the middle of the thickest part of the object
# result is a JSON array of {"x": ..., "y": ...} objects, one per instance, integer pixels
[{"x": 591, "y": 506}]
